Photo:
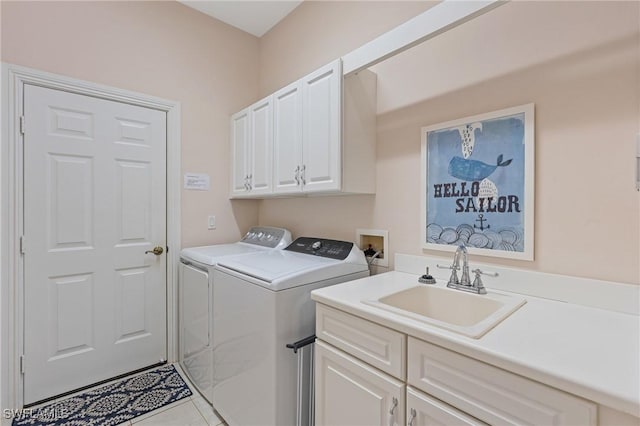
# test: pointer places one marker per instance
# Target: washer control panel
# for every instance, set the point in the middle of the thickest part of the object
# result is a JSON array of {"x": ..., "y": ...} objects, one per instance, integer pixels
[
  {"x": 265, "y": 236},
  {"x": 332, "y": 249}
]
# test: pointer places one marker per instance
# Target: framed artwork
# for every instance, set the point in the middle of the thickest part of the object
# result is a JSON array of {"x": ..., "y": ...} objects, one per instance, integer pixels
[{"x": 478, "y": 184}]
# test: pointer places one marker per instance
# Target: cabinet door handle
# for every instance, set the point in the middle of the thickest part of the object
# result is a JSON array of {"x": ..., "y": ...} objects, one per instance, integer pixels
[
  {"x": 303, "y": 174},
  {"x": 412, "y": 417},
  {"x": 297, "y": 172},
  {"x": 249, "y": 179},
  {"x": 392, "y": 411}
]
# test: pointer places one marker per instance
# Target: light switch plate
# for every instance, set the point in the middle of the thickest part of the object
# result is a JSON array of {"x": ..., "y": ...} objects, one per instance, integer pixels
[{"x": 211, "y": 222}]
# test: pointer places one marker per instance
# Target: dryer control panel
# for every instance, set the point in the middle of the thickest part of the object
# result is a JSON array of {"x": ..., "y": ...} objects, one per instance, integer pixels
[
  {"x": 332, "y": 249},
  {"x": 267, "y": 236}
]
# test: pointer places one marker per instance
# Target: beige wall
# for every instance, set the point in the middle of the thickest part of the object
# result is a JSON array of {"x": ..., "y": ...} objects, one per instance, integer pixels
[
  {"x": 317, "y": 32},
  {"x": 163, "y": 49},
  {"x": 579, "y": 64},
  {"x": 581, "y": 70}
]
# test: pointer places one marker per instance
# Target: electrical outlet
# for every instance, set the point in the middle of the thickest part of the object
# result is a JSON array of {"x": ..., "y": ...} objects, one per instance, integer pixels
[{"x": 211, "y": 223}]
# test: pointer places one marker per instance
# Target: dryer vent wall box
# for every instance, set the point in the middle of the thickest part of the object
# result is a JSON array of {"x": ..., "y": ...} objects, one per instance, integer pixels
[
  {"x": 375, "y": 245},
  {"x": 262, "y": 302}
]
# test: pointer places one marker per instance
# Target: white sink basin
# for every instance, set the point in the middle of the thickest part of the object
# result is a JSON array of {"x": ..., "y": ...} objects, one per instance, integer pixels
[{"x": 469, "y": 314}]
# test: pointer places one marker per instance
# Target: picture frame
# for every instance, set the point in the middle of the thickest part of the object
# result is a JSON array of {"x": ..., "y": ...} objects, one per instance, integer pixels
[{"x": 477, "y": 184}]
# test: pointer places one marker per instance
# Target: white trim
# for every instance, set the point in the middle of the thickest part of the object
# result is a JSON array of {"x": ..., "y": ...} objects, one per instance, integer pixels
[
  {"x": 11, "y": 292},
  {"x": 437, "y": 20},
  {"x": 529, "y": 182},
  {"x": 612, "y": 296}
]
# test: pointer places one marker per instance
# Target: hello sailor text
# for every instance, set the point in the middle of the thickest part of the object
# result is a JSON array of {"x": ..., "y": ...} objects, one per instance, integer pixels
[{"x": 466, "y": 202}]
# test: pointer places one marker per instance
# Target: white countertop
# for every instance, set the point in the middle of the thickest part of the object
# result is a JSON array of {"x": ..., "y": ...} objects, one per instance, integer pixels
[{"x": 589, "y": 352}]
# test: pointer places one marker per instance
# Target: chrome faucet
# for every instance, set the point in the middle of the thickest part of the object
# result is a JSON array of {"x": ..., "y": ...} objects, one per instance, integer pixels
[
  {"x": 464, "y": 283},
  {"x": 464, "y": 280}
]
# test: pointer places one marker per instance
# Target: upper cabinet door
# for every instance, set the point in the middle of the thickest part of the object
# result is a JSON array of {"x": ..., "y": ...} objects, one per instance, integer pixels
[
  {"x": 322, "y": 128},
  {"x": 261, "y": 147},
  {"x": 287, "y": 112},
  {"x": 240, "y": 134}
]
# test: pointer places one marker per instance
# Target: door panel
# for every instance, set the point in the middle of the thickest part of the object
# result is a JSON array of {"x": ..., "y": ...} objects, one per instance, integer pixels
[
  {"x": 260, "y": 173},
  {"x": 322, "y": 115},
  {"x": 240, "y": 133},
  {"x": 287, "y": 140},
  {"x": 94, "y": 202},
  {"x": 350, "y": 392}
]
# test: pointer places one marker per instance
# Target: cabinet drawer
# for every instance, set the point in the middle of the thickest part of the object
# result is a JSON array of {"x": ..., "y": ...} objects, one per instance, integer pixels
[
  {"x": 425, "y": 410},
  {"x": 377, "y": 345},
  {"x": 491, "y": 394}
]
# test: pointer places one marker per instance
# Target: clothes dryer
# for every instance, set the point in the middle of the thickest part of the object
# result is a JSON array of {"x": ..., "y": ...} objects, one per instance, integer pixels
[{"x": 195, "y": 298}]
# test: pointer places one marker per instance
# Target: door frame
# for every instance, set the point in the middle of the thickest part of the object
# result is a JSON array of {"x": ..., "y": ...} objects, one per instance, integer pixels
[{"x": 14, "y": 79}]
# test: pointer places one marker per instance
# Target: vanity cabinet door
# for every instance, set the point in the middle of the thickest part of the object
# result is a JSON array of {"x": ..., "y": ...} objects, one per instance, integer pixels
[
  {"x": 424, "y": 410},
  {"x": 351, "y": 393}
]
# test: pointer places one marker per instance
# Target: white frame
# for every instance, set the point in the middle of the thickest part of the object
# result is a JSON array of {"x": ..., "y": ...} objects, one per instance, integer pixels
[
  {"x": 529, "y": 192},
  {"x": 11, "y": 267}
]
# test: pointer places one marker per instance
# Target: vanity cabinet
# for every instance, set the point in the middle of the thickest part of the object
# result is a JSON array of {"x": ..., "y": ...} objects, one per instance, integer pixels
[
  {"x": 320, "y": 138},
  {"x": 363, "y": 365},
  {"x": 251, "y": 147}
]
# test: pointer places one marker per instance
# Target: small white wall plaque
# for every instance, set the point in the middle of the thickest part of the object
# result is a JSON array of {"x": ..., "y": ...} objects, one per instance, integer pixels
[{"x": 196, "y": 181}]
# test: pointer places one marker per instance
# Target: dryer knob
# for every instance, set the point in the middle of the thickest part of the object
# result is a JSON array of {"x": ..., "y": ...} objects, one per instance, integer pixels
[{"x": 316, "y": 245}]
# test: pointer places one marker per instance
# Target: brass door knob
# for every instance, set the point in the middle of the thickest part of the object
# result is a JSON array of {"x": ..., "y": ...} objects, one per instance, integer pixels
[{"x": 156, "y": 250}]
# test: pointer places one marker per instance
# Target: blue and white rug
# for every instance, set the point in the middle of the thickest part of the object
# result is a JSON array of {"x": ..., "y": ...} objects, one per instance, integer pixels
[{"x": 112, "y": 404}]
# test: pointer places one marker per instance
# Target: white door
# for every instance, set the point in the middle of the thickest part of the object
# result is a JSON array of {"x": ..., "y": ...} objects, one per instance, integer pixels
[
  {"x": 287, "y": 139},
  {"x": 322, "y": 130},
  {"x": 350, "y": 392},
  {"x": 240, "y": 134},
  {"x": 94, "y": 202},
  {"x": 261, "y": 147}
]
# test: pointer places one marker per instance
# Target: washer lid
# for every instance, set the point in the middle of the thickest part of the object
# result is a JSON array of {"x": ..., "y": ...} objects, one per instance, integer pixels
[
  {"x": 211, "y": 255},
  {"x": 276, "y": 265}
]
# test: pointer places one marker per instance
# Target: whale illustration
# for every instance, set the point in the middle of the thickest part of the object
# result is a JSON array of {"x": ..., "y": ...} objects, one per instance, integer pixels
[{"x": 473, "y": 170}]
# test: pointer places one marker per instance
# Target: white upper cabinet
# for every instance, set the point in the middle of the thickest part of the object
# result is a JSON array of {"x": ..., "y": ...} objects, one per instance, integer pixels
[
  {"x": 321, "y": 129},
  {"x": 261, "y": 147},
  {"x": 287, "y": 141},
  {"x": 239, "y": 152},
  {"x": 251, "y": 150},
  {"x": 317, "y": 135}
]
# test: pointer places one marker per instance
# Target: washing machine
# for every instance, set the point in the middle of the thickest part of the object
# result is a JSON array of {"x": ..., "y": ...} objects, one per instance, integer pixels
[
  {"x": 261, "y": 303},
  {"x": 195, "y": 298}
]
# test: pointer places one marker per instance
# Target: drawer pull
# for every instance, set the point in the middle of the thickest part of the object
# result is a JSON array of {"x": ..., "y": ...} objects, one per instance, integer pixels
[
  {"x": 392, "y": 412},
  {"x": 412, "y": 417}
]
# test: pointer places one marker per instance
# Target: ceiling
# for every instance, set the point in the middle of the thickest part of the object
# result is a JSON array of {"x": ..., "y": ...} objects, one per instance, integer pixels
[{"x": 254, "y": 17}]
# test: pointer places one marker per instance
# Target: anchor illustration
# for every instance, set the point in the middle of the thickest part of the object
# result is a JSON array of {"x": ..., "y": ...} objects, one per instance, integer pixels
[{"x": 482, "y": 220}]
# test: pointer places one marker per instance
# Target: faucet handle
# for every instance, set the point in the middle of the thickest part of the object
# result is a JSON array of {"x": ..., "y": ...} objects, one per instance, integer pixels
[
  {"x": 447, "y": 266},
  {"x": 477, "y": 282},
  {"x": 479, "y": 272}
]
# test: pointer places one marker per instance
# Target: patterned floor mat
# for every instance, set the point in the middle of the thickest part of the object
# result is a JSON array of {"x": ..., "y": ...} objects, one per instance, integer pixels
[{"x": 112, "y": 404}]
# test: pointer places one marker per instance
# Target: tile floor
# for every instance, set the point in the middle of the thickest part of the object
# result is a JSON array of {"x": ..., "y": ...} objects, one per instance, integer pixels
[{"x": 192, "y": 411}]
